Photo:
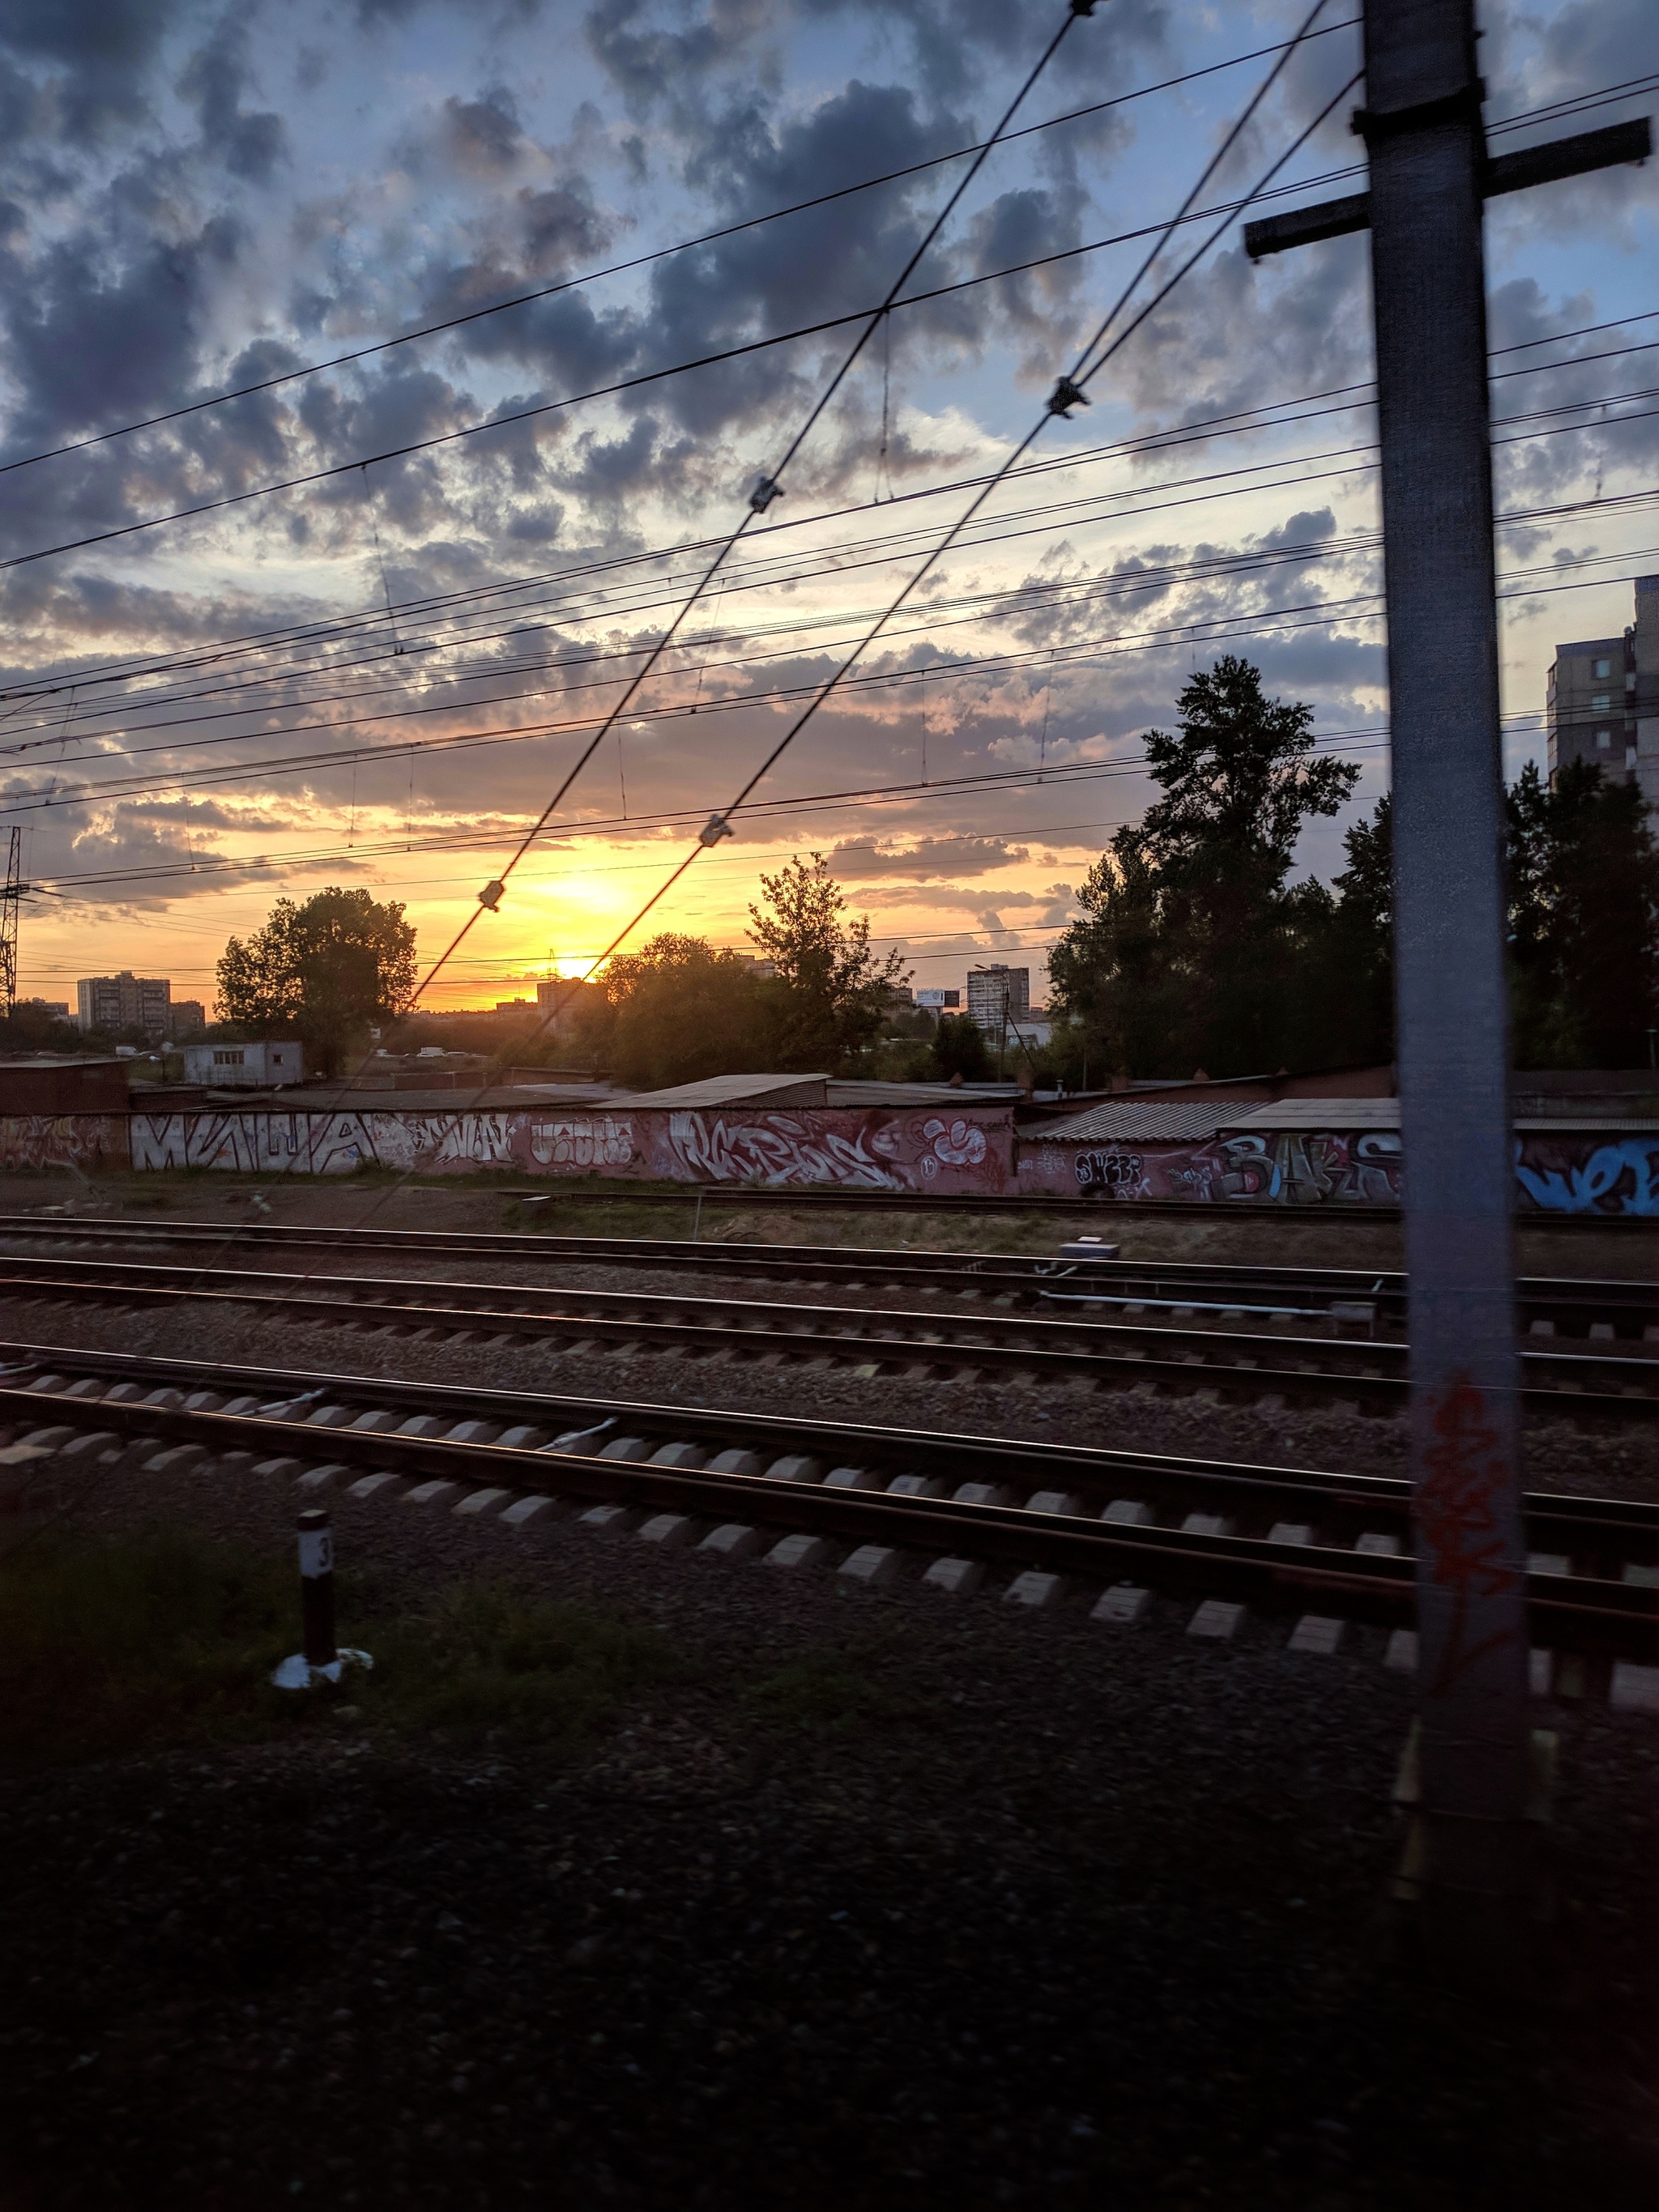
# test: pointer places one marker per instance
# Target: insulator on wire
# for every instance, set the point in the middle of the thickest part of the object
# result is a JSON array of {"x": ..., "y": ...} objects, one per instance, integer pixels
[
  {"x": 764, "y": 493},
  {"x": 491, "y": 896},
  {"x": 1066, "y": 396},
  {"x": 1083, "y": 7},
  {"x": 714, "y": 828}
]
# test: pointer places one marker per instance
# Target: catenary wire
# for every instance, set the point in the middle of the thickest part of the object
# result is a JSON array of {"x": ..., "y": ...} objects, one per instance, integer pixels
[
  {"x": 498, "y": 420},
  {"x": 645, "y": 260}
]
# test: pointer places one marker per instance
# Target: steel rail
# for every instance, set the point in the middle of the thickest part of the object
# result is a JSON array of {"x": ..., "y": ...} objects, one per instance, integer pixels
[
  {"x": 1575, "y": 1303},
  {"x": 1275, "y": 1574},
  {"x": 1576, "y": 1384}
]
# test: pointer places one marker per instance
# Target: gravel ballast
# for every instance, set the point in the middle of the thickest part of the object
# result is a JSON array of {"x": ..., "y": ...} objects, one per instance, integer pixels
[
  {"x": 873, "y": 1899},
  {"x": 1598, "y": 1461}
]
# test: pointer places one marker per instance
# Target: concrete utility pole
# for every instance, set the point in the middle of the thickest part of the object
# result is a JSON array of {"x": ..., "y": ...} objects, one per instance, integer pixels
[{"x": 1430, "y": 174}]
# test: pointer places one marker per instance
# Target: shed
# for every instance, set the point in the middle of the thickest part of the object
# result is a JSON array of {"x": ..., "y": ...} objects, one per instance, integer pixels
[
  {"x": 1300, "y": 1115},
  {"x": 62, "y": 1083},
  {"x": 1136, "y": 1122}
]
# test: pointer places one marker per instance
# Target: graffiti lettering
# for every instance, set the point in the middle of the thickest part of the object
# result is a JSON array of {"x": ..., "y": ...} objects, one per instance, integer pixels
[
  {"x": 1118, "y": 1172},
  {"x": 1618, "y": 1178},
  {"x": 853, "y": 1150},
  {"x": 779, "y": 1150},
  {"x": 582, "y": 1142},
  {"x": 1283, "y": 1167},
  {"x": 60, "y": 1140}
]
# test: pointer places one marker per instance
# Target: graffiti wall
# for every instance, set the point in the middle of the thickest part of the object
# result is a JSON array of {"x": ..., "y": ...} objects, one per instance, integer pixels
[
  {"x": 1282, "y": 1167},
  {"x": 88, "y": 1141},
  {"x": 1586, "y": 1174},
  {"x": 943, "y": 1151},
  {"x": 870, "y": 1150},
  {"x": 1575, "y": 1171}
]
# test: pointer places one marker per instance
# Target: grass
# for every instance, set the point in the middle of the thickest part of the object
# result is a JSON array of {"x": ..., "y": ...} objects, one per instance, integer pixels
[
  {"x": 165, "y": 1639},
  {"x": 836, "y": 1694}
]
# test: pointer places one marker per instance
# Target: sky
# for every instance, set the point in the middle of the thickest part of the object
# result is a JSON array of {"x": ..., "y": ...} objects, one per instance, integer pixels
[{"x": 415, "y": 583}]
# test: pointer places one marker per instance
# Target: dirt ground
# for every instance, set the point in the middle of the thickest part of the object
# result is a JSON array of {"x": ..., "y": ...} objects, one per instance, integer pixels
[{"x": 867, "y": 1899}]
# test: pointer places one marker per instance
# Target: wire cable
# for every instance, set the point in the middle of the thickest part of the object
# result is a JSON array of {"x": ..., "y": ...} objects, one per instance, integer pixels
[{"x": 645, "y": 260}]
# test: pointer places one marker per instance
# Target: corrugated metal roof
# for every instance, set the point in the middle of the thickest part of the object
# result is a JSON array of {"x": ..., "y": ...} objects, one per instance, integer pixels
[
  {"x": 516, "y": 1098},
  {"x": 1129, "y": 1122},
  {"x": 922, "y": 1094},
  {"x": 1572, "y": 1125},
  {"x": 1319, "y": 1114},
  {"x": 730, "y": 1091}
]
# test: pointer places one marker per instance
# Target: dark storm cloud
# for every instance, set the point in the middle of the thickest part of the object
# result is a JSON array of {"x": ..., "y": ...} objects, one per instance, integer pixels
[
  {"x": 958, "y": 44},
  {"x": 102, "y": 323},
  {"x": 655, "y": 54},
  {"x": 248, "y": 142},
  {"x": 94, "y": 56},
  {"x": 1236, "y": 334},
  {"x": 483, "y": 136}
]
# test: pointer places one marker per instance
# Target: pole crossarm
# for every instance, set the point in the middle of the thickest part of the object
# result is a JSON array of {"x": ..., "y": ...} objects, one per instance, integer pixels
[{"x": 1577, "y": 156}]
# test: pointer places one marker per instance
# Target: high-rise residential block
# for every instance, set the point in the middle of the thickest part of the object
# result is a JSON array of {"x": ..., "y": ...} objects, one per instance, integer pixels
[
  {"x": 125, "y": 1001},
  {"x": 1603, "y": 699},
  {"x": 998, "y": 994}
]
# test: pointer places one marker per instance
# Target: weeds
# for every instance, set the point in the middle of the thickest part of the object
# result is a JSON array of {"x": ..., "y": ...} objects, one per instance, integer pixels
[
  {"x": 118, "y": 1646},
  {"x": 840, "y": 1693},
  {"x": 150, "y": 1642}
]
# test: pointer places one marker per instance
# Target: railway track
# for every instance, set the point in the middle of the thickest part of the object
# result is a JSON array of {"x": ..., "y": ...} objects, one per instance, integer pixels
[
  {"x": 1111, "y": 1354},
  {"x": 1321, "y": 1546},
  {"x": 1375, "y": 1299}
]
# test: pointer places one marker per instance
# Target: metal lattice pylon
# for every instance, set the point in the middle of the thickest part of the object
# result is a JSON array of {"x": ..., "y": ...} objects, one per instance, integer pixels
[{"x": 10, "y": 899}]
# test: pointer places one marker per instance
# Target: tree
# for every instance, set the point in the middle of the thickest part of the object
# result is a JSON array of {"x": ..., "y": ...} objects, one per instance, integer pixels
[
  {"x": 1342, "y": 1005},
  {"x": 1187, "y": 952},
  {"x": 324, "y": 970},
  {"x": 674, "y": 1012},
  {"x": 1584, "y": 903},
  {"x": 828, "y": 994},
  {"x": 959, "y": 1049}
]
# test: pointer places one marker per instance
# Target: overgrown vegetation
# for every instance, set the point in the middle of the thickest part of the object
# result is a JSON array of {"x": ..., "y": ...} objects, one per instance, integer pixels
[
  {"x": 150, "y": 1642},
  {"x": 1195, "y": 951}
]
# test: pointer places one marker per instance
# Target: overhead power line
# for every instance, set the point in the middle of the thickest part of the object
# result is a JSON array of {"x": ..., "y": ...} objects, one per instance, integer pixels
[
  {"x": 501, "y": 421},
  {"x": 831, "y": 564},
  {"x": 422, "y": 611},
  {"x": 1001, "y": 604},
  {"x": 646, "y": 260}
]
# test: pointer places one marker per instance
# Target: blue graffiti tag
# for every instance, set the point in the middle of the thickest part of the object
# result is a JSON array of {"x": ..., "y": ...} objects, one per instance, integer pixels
[{"x": 1586, "y": 1189}]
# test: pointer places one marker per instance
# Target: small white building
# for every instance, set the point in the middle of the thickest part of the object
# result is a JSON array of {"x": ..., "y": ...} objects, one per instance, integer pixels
[{"x": 259, "y": 1066}]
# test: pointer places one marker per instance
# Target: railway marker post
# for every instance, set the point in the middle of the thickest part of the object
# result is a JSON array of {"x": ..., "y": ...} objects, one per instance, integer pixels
[
  {"x": 322, "y": 1659},
  {"x": 1469, "y": 1858}
]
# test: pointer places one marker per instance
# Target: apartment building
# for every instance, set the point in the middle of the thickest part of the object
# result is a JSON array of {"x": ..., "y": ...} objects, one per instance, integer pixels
[
  {"x": 125, "y": 1001},
  {"x": 998, "y": 994},
  {"x": 1602, "y": 703}
]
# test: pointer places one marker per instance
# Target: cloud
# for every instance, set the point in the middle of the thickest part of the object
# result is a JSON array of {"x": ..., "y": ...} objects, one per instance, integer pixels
[
  {"x": 215, "y": 78},
  {"x": 957, "y": 857}
]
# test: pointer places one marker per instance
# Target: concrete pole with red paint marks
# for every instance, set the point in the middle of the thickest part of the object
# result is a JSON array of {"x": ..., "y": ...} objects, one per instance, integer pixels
[
  {"x": 1429, "y": 174},
  {"x": 1422, "y": 128}
]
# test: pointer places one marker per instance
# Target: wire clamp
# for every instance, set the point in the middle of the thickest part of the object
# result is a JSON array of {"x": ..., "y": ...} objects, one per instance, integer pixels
[
  {"x": 713, "y": 830},
  {"x": 1083, "y": 7},
  {"x": 490, "y": 896},
  {"x": 764, "y": 493},
  {"x": 1066, "y": 396}
]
